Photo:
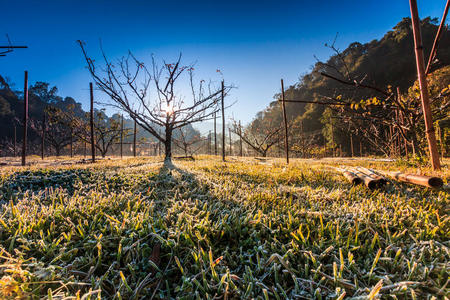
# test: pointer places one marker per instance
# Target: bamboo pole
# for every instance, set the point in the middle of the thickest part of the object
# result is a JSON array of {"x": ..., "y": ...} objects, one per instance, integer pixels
[
  {"x": 351, "y": 144},
  {"x": 25, "y": 119},
  {"x": 223, "y": 121},
  {"x": 373, "y": 174},
  {"x": 283, "y": 107},
  {"x": 92, "y": 122},
  {"x": 428, "y": 181},
  {"x": 332, "y": 138},
  {"x": 215, "y": 134},
  {"x": 134, "y": 137},
  {"x": 350, "y": 176},
  {"x": 240, "y": 139},
  {"x": 401, "y": 121},
  {"x": 229, "y": 134},
  {"x": 437, "y": 38},
  {"x": 43, "y": 137},
  {"x": 71, "y": 142},
  {"x": 209, "y": 142},
  {"x": 15, "y": 141},
  {"x": 369, "y": 181},
  {"x": 121, "y": 138},
  {"x": 429, "y": 129}
]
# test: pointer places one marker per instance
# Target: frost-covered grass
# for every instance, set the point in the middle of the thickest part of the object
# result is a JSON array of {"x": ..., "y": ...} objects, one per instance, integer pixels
[{"x": 132, "y": 229}]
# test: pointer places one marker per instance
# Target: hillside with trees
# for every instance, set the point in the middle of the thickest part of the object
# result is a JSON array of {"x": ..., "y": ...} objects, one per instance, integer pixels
[{"x": 362, "y": 81}]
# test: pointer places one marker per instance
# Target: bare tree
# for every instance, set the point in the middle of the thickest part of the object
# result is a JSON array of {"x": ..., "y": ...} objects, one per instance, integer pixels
[
  {"x": 260, "y": 137},
  {"x": 58, "y": 130},
  {"x": 129, "y": 83},
  {"x": 186, "y": 140},
  {"x": 106, "y": 130}
]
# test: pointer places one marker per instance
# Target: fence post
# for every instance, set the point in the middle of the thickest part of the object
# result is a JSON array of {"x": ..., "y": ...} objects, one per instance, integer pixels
[
  {"x": 215, "y": 135},
  {"x": 15, "y": 141},
  {"x": 351, "y": 144},
  {"x": 134, "y": 138},
  {"x": 25, "y": 119},
  {"x": 71, "y": 142},
  {"x": 121, "y": 138},
  {"x": 240, "y": 139},
  {"x": 91, "y": 89},
  {"x": 43, "y": 137},
  {"x": 231, "y": 149},
  {"x": 283, "y": 106},
  {"x": 223, "y": 122}
]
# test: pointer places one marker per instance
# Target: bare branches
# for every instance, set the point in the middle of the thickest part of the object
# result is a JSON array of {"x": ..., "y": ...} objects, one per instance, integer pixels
[
  {"x": 153, "y": 97},
  {"x": 259, "y": 138},
  {"x": 356, "y": 84}
]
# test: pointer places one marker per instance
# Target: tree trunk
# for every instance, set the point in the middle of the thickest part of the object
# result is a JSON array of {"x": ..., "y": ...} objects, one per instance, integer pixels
[{"x": 168, "y": 145}]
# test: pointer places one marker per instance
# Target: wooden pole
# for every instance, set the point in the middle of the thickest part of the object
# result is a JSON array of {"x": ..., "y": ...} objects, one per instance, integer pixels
[
  {"x": 360, "y": 149},
  {"x": 71, "y": 142},
  {"x": 429, "y": 129},
  {"x": 15, "y": 141},
  {"x": 283, "y": 106},
  {"x": 215, "y": 135},
  {"x": 351, "y": 144},
  {"x": 209, "y": 142},
  {"x": 401, "y": 116},
  {"x": 92, "y": 122},
  {"x": 134, "y": 138},
  {"x": 332, "y": 138},
  {"x": 223, "y": 121},
  {"x": 437, "y": 38},
  {"x": 25, "y": 119},
  {"x": 85, "y": 149},
  {"x": 392, "y": 143},
  {"x": 303, "y": 139},
  {"x": 121, "y": 138},
  {"x": 240, "y": 139},
  {"x": 229, "y": 133},
  {"x": 43, "y": 137}
]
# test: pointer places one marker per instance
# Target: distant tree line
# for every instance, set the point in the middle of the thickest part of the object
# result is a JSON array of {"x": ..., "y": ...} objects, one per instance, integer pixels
[{"x": 64, "y": 126}]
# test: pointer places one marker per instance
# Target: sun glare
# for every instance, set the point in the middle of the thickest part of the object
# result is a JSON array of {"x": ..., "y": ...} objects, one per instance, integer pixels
[{"x": 168, "y": 109}]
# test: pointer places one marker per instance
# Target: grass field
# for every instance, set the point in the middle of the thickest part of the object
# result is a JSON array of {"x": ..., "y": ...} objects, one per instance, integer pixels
[{"x": 245, "y": 229}]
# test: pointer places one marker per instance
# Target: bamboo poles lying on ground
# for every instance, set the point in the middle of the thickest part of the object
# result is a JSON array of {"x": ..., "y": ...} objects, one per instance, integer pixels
[
  {"x": 382, "y": 180},
  {"x": 357, "y": 177},
  {"x": 370, "y": 179},
  {"x": 428, "y": 181},
  {"x": 375, "y": 179},
  {"x": 352, "y": 177}
]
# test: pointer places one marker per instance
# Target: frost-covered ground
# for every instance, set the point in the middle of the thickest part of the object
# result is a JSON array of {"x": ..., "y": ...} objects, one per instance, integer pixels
[{"x": 247, "y": 228}]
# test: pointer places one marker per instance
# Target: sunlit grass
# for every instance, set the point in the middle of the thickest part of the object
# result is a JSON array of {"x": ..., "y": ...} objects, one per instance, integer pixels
[{"x": 236, "y": 230}]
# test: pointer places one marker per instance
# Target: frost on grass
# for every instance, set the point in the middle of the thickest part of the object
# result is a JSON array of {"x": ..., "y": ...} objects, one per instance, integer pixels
[{"x": 135, "y": 229}]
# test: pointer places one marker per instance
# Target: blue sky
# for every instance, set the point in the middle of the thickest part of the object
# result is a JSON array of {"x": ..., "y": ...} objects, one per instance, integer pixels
[{"x": 253, "y": 43}]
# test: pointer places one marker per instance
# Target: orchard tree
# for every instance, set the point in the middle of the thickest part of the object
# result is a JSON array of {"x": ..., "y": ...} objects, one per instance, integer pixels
[
  {"x": 152, "y": 96},
  {"x": 261, "y": 134},
  {"x": 189, "y": 140},
  {"x": 58, "y": 130},
  {"x": 106, "y": 130}
]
